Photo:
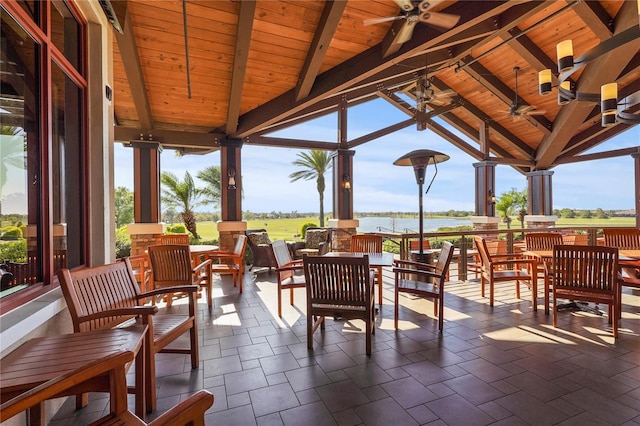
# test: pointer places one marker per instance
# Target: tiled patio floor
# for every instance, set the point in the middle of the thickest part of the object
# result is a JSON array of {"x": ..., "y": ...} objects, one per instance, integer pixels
[{"x": 501, "y": 365}]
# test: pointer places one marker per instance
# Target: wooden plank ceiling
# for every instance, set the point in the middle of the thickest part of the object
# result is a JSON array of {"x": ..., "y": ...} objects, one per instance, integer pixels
[{"x": 190, "y": 74}]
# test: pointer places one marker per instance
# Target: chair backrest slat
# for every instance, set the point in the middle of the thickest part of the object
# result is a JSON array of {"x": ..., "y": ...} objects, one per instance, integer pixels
[
  {"x": 543, "y": 241},
  {"x": 338, "y": 280},
  {"x": 366, "y": 243},
  {"x": 585, "y": 267},
  {"x": 174, "y": 239},
  {"x": 92, "y": 290},
  {"x": 622, "y": 238},
  {"x": 171, "y": 264}
]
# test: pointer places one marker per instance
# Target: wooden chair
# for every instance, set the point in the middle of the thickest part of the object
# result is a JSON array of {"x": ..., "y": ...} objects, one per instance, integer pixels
[
  {"x": 342, "y": 287},
  {"x": 576, "y": 239},
  {"x": 172, "y": 265},
  {"x": 495, "y": 247},
  {"x": 108, "y": 296},
  {"x": 423, "y": 280},
  {"x": 188, "y": 412},
  {"x": 586, "y": 273},
  {"x": 141, "y": 267},
  {"x": 317, "y": 241},
  {"x": 175, "y": 239},
  {"x": 622, "y": 238},
  {"x": 494, "y": 269},
  {"x": 544, "y": 241},
  {"x": 414, "y": 245},
  {"x": 231, "y": 262},
  {"x": 290, "y": 272},
  {"x": 369, "y": 243}
]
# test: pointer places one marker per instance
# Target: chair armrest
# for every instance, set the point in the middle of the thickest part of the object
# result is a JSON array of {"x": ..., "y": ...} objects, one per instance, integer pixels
[
  {"x": 221, "y": 254},
  {"x": 403, "y": 263},
  {"x": 121, "y": 312},
  {"x": 174, "y": 289},
  {"x": 415, "y": 271},
  {"x": 520, "y": 261},
  {"x": 297, "y": 245},
  {"x": 202, "y": 265},
  {"x": 187, "y": 411},
  {"x": 291, "y": 266}
]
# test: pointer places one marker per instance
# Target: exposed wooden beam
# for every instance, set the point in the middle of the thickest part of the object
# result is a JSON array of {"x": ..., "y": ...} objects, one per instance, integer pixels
[
  {"x": 517, "y": 143},
  {"x": 397, "y": 101},
  {"x": 530, "y": 52},
  {"x": 503, "y": 92},
  {"x": 327, "y": 26},
  {"x": 169, "y": 138},
  {"x": 382, "y": 132},
  {"x": 602, "y": 70},
  {"x": 290, "y": 143},
  {"x": 596, "y": 18},
  {"x": 133, "y": 70},
  {"x": 361, "y": 67},
  {"x": 240, "y": 58},
  {"x": 598, "y": 155}
]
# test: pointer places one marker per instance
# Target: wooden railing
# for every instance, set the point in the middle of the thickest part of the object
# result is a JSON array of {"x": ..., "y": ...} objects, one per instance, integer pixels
[{"x": 463, "y": 240}]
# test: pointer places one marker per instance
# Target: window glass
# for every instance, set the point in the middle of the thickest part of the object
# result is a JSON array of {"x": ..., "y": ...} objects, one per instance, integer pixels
[
  {"x": 67, "y": 214},
  {"x": 20, "y": 153},
  {"x": 32, "y": 7},
  {"x": 65, "y": 33}
]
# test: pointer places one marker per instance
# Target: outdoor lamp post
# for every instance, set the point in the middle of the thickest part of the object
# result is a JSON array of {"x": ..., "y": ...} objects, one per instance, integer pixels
[{"x": 420, "y": 159}]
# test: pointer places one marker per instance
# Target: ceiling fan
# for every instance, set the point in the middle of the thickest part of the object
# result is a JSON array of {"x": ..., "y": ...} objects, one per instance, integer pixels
[
  {"x": 414, "y": 11},
  {"x": 518, "y": 110},
  {"x": 423, "y": 93}
]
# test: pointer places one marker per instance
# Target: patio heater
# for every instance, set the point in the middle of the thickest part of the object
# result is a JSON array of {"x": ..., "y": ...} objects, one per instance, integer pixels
[{"x": 419, "y": 160}]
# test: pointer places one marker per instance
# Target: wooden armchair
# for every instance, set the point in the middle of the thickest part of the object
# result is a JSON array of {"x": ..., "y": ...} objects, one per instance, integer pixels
[
  {"x": 494, "y": 268},
  {"x": 423, "y": 280},
  {"x": 290, "y": 272},
  {"x": 587, "y": 273},
  {"x": 108, "y": 296},
  {"x": 260, "y": 245},
  {"x": 188, "y": 412},
  {"x": 339, "y": 286},
  {"x": 231, "y": 262},
  {"x": 369, "y": 243},
  {"x": 141, "y": 267},
  {"x": 172, "y": 265},
  {"x": 175, "y": 239}
]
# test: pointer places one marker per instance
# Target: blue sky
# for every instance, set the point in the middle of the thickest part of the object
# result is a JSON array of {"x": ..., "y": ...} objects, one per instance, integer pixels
[{"x": 378, "y": 185}]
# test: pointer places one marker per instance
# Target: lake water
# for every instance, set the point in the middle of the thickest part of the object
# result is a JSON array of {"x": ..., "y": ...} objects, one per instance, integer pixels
[{"x": 392, "y": 224}]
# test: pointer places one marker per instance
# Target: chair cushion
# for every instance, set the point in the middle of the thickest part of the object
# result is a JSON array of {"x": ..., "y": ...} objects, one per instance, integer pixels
[
  {"x": 259, "y": 238},
  {"x": 314, "y": 237}
]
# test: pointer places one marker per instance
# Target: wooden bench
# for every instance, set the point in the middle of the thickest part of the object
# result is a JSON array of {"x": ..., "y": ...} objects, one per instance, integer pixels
[
  {"x": 339, "y": 287},
  {"x": 109, "y": 296},
  {"x": 112, "y": 367}
]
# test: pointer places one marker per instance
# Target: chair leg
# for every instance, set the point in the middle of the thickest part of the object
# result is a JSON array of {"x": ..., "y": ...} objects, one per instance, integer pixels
[
  {"x": 279, "y": 300},
  {"x": 395, "y": 304},
  {"x": 441, "y": 313}
]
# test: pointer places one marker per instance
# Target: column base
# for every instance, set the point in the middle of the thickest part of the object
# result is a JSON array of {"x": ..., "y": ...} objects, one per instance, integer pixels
[
  {"x": 540, "y": 221},
  {"x": 341, "y": 232},
  {"x": 228, "y": 233},
  {"x": 143, "y": 235}
]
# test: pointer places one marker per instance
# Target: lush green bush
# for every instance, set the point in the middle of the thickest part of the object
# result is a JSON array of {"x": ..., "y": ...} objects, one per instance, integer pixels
[
  {"x": 11, "y": 233},
  {"x": 123, "y": 243},
  {"x": 304, "y": 226},
  {"x": 178, "y": 228},
  {"x": 15, "y": 251}
]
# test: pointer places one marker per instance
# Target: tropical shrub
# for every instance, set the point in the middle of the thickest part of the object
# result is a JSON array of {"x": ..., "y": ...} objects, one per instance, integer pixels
[
  {"x": 304, "y": 226},
  {"x": 11, "y": 233},
  {"x": 15, "y": 251},
  {"x": 178, "y": 228},
  {"x": 123, "y": 243}
]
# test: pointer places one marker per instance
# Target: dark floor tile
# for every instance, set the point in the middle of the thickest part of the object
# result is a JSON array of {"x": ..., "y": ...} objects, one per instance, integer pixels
[
  {"x": 307, "y": 378},
  {"x": 384, "y": 412},
  {"x": 530, "y": 409},
  {"x": 473, "y": 389},
  {"x": 341, "y": 395},
  {"x": 455, "y": 410},
  {"x": 273, "y": 399},
  {"x": 311, "y": 414},
  {"x": 408, "y": 392},
  {"x": 243, "y": 381}
]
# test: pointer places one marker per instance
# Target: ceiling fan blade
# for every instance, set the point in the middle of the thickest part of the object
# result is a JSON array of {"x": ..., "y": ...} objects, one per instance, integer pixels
[
  {"x": 405, "y": 5},
  {"x": 442, "y": 20},
  {"x": 446, "y": 93},
  {"x": 373, "y": 21},
  {"x": 536, "y": 112},
  {"x": 524, "y": 109},
  {"x": 406, "y": 31}
]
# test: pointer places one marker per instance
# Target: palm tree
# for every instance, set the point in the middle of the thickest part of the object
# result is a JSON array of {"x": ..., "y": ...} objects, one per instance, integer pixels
[
  {"x": 211, "y": 192},
  {"x": 506, "y": 206},
  {"x": 184, "y": 195},
  {"x": 314, "y": 164}
]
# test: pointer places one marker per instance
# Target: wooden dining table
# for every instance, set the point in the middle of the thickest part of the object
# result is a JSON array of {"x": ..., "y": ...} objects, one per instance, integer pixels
[
  {"x": 200, "y": 251},
  {"x": 45, "y": 358}
]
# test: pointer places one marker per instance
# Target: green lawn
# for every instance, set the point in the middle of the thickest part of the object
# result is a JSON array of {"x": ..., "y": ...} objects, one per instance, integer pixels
[{"x": 286, "y": 229}]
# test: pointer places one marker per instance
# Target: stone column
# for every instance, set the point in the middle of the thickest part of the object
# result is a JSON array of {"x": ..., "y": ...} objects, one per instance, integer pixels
[
  {"x": 343, "y": 184},
  {"x": 341, "y": 232},
  {"x": 636, "y": 162},
  {"x": 540, "y": 200},
  {"x": 485, "y": 188}
]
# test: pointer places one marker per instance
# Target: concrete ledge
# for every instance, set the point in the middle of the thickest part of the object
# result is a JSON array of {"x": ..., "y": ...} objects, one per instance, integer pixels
[
  {"x": 145, "y": 228},
  {"x": 343, "y": 223},
  {"x": 18, "y": 325},
  {"x": 484, "y": 219},
  {"x": 230, "y": 226}
]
